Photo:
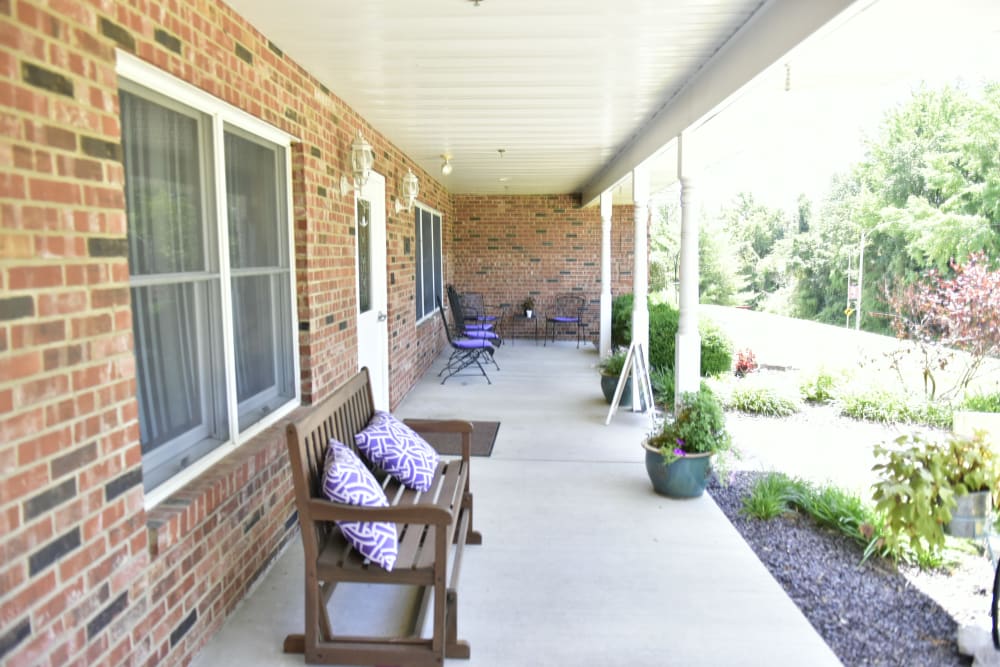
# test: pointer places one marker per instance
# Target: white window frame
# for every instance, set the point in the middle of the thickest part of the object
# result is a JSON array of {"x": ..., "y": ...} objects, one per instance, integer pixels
[
  {"x": 221, "y": 114},
  {"x": 430, "y": 310}
]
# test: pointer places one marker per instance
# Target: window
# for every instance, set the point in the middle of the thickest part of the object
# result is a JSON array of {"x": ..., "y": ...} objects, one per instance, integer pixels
[
  {"x": 427, "y": 230},
  {"x": 211, "y": 275}
]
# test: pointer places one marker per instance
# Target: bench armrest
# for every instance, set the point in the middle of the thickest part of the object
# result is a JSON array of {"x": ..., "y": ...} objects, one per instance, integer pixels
[
  {"x": 445, "y": 426},
  {"x": 420, "y": 513}
]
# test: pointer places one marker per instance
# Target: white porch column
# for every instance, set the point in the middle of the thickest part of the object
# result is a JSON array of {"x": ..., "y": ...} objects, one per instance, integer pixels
[
  {"x": 605, "y": 341},
  {"x": 640, "y": 271},
  {"x": 687, "y": 362}
]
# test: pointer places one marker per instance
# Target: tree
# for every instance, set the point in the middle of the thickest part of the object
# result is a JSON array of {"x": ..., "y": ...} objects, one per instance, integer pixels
[
  {"x": 945, "y": 312},
  {"x": 927, "y": 193},
  {"x": 755, "y": 231}
]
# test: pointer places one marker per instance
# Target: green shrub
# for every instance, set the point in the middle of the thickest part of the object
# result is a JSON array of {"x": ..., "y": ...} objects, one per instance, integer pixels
[
  {"x": 621, "y": 320},
  {"x": 878, "y": 405},
  {"x": 716, "y": 350},
  {"x": 662, "y": 380},
  {"x": 982, "y": 402},
  {"x": 819, "y": 388},
  {"x": 760, "y": 400},
  {"x": 663, "y": 320},
  {"x": 612, "y": 364},
  {"x": 774, "y": 494},
  {"x": 770, "y": 497}
]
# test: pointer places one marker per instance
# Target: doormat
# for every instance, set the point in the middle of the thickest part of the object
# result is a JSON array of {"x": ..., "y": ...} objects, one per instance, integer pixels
[{"x": 484, "y": 434}]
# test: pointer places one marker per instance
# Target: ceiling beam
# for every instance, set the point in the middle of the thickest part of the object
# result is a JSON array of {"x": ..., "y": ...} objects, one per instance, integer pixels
[{"x": 774, "y": 30}]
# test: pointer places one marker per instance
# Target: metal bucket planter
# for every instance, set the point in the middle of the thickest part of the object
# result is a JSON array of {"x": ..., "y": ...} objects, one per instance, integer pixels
[
  {"x": 684, "y": 478},
  {"x": 971, "y": 517}
]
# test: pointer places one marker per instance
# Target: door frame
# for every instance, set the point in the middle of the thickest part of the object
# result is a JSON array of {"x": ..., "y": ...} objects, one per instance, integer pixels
[{"x": 376, "y": 318}]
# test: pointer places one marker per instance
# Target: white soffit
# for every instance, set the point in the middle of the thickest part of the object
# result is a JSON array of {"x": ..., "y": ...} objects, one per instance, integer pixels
[{"x": 575, "y": 92}]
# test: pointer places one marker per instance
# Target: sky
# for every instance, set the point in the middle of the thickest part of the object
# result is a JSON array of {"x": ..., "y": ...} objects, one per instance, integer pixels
[{"x": 795, "y": 127}]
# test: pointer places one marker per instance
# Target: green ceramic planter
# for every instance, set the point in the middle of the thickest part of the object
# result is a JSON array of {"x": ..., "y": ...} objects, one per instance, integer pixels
[
  {"x": 684, "y": 478},
  {"x": 608, "y": 385}
]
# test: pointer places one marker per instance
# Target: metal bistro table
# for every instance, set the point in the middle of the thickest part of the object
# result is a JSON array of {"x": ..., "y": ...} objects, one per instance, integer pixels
[{"x": 521, "y": 321}]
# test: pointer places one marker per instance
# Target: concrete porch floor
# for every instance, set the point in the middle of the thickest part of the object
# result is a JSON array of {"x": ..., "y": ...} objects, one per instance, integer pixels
[{"x": 581, "y": 563}]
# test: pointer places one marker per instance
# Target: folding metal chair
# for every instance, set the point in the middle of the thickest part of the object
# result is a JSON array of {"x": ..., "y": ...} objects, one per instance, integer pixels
[
  {"x": 465, "y": 352},
  {"x": 465, "y": 327},
  {"x": 477, "y": 311},
  {"x": 569, "y": 311}
]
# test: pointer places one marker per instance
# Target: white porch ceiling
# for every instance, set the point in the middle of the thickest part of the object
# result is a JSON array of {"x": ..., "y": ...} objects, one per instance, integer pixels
[{"x": 575, "y": 92}]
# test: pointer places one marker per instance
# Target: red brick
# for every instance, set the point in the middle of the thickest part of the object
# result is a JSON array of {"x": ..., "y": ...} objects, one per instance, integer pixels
[
  {"x": 38, "y": 333},
  {"x": 63, "y": 303},
  {"x": 17, "y": 246},
  {"x": 66, "y": 356},
  {"x": 10, "y": 519},
  {"x": 19, "y": 366},
  {"x": 35, "y": 277},
  {"x": 24, "y": 483},
  {"x": 15, "y": 427},
  {"x": 43, "y": 446},
  {"x": 61, "y": 192}
]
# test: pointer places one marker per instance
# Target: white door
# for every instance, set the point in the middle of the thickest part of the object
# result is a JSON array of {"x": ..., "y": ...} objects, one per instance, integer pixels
[{"x": 373, "y": 326}]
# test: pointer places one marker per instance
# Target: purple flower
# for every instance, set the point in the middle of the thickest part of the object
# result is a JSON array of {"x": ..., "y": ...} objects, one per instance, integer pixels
[
  {"x": 680, "y": 443},
  {"x": 679, "y": 452}
]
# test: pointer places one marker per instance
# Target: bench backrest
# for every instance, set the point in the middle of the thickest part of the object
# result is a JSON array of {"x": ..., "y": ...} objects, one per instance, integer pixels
[{"x": 342, "y": 414}]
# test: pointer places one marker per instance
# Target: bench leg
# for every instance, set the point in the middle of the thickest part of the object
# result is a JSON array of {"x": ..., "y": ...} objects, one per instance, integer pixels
[
  {"x": 473, "y": 536},
  {"x": 454, "y": 648}
]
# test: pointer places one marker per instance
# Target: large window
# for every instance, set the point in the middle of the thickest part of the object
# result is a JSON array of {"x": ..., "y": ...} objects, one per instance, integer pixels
[
  {"x": 211, "y": 278},
  {"x": 427, "y": 227}
]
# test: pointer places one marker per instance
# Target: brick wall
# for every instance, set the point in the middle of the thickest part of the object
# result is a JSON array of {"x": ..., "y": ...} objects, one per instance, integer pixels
[
  {"x": 88, "y": 577},
  {"x": 510, "y": 247}
]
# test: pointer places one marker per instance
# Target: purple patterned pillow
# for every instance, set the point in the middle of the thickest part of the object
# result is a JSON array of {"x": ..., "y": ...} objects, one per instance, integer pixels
[
  {"x": 347, "y": 480},
  {"x": 397, "y": 449}
]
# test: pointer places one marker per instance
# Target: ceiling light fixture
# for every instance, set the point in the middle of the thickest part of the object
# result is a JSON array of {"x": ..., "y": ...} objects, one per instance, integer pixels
[{"x": 446, "y": 167}]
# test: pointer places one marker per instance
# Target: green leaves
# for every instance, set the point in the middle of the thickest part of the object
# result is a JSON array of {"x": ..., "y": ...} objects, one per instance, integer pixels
[{"x": 919, "y": 479}]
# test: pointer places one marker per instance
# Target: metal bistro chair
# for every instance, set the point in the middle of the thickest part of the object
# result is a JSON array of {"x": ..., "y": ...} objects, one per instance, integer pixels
[
  {"x": 477, "y": 311},
  {"x": 568, "y": 312},
  {"x": 465, "y": 352},
  {"x": 465, "y": 327}
]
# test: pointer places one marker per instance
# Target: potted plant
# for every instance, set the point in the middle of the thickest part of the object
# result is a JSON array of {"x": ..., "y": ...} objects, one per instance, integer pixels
[
  {"x": 922, "y": 483},
  {"x": 679, "y": 453},
  {"x": 973, "y": 471},
  {"x": 528, "y": 306},
  {"x": 611, "y": 369}
]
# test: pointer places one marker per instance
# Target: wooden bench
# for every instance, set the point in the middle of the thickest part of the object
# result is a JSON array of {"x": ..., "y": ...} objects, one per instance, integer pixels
[{"x": 432, "y": 526}]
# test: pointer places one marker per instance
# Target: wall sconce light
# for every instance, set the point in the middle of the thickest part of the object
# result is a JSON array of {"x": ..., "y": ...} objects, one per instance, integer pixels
[
  {"x": 362, "y": 160},
  {"x": 446, "y": 167},
  {"x": 409, "y": 189}
]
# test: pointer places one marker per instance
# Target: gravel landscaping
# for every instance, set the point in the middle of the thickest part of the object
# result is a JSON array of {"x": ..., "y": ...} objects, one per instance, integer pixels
[{"x": 871, "y": 614}]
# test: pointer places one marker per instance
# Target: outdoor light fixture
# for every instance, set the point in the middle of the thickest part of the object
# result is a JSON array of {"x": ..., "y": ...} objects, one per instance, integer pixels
[
  {"x": 362, "y": 160},
  {"x": 409, "y": 189},
  {"x": 446, "y": 167}
]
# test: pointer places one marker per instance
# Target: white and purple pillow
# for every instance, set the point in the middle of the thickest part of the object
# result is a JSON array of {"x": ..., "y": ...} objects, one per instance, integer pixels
[
  {"x": 347, "y": 480},
  {"x": 397, "y": 449}
]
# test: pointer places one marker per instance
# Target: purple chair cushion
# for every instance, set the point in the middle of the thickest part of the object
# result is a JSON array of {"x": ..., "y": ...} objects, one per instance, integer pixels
[
  {"x": 347, "y": 480},
  {"x": 471, "y": 344},
  {"x": 560, "y": 318},
  {"x": 397, "y": 449}
]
